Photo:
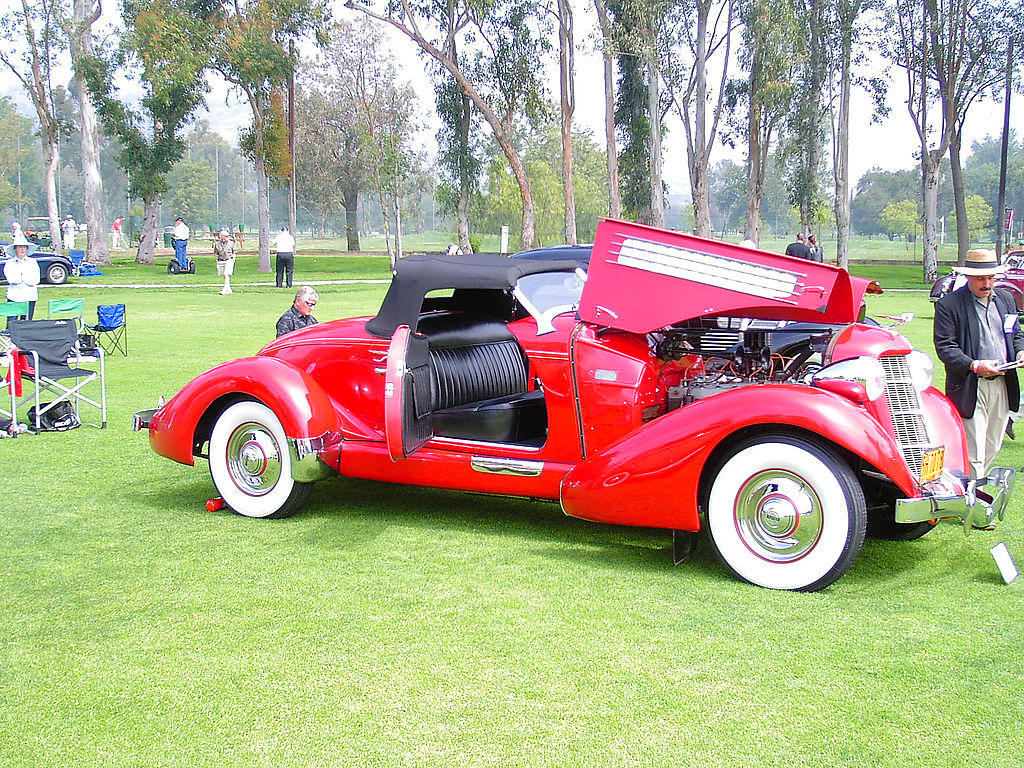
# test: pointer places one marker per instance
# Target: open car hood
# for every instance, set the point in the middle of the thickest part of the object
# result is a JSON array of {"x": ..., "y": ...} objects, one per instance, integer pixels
[{"x": 642, "y": 278}]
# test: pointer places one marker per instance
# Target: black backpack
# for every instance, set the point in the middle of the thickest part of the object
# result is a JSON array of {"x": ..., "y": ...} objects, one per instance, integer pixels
[{"x": 59, "y": 418}]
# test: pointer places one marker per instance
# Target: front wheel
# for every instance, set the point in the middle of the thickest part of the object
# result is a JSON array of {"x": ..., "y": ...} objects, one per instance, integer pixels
[
  {"x": 786, "y": 513},
  {"x": 56, "y": 274},
  {"x": 250, "y": 464}
]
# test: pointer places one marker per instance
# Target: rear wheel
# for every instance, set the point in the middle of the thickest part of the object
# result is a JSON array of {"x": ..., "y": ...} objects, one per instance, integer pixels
[
  {"x": 786, "y": 513},
  {"x": 250, "y": 464},
  {"x": 56, "y": 274}
]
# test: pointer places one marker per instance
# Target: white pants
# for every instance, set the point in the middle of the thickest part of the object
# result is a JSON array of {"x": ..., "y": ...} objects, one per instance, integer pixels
[{"x": 985, "y": 429}]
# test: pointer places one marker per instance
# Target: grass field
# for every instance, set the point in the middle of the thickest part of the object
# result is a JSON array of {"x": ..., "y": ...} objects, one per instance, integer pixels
[{"x": 395, "y": 626}]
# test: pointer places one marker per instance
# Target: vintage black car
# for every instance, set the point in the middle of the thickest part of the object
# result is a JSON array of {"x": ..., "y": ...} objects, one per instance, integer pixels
[{"x": 54, "y": 268}]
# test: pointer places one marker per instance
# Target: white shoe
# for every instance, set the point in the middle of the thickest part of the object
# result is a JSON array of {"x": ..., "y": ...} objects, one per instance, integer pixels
[{"x": 225, "y": 291}]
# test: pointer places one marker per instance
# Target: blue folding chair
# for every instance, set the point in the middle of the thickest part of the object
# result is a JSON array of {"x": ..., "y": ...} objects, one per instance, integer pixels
[{"x": 111, "y": 328}]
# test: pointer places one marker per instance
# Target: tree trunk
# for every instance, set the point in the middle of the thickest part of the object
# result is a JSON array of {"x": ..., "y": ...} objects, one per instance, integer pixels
[
  {"x": 52, "y": 153},
  {"x": 263, "y": 213},
  {"x": 930, "y": 171},
  {"x": 465, "y": 182},
  {"x": 842, "y": 154},
  {"x": 502, "y": 134},
  {"x": 654, "y": 115},
  {"x": 97, "y": 248},
  {"x": 150, "y": 227},
  {"x": 755, "y": 172},
  {"x": 611, "y": 153},
  {"x": 568, "y": 106},
  {"x": 956, "y": 172},
  {"x": 352, "y": 219}
]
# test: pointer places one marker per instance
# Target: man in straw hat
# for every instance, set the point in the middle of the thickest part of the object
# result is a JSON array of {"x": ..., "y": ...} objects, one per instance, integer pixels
[{"x": 976, "y": 335}]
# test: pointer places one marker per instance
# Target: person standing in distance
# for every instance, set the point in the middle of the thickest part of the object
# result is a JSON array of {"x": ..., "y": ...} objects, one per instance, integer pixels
[
  {"x": 285, "y": 245},
  {"x": 798, "y": 248},
  {"x": 68, "y": 230},
  {"x": 180, "y": 236},
  {"x": 300, "y": 314},
  {"x": 225, "y": 251},
  {"x": 976, "y": 333}
]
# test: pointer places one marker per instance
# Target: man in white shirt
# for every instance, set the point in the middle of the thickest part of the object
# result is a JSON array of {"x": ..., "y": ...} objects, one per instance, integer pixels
[
  {"x": 180, "y": 236},
  {"x": 285, "y": 245},
  {"x": 68, "y": 230}
]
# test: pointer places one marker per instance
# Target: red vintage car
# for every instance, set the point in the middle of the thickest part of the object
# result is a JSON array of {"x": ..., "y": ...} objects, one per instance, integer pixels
[{"x": 617, "y": 392}]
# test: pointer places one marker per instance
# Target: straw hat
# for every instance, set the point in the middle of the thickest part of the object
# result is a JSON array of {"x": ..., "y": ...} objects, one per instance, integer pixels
[
  {"x": 982, "y": 261},
  {"x": 20, "y": 239}
]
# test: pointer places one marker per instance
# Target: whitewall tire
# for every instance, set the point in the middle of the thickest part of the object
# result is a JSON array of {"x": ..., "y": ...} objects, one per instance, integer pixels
[
  {"x": 785, "y": 512},
  {"x": 250, "y": 464}
]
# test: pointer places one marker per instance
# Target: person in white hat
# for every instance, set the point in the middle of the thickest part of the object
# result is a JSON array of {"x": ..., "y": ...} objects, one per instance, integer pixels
[
  {"x": 68, "y": 229},
  {"x": 225, "y": 251},
  {"x": 977, "y": 333},
  {"x": 22, "y": 273}
]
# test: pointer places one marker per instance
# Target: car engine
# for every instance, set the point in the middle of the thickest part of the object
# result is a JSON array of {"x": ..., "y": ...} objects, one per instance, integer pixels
[{"x": 712, "y": 355}]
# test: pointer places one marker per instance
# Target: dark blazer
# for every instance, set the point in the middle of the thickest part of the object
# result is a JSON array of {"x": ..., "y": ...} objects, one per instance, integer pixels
[{"x": 957, "y": 337}]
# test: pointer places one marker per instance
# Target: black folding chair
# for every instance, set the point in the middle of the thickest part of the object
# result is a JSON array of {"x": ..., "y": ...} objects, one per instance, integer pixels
[
  {"x": 49, "y": 357},
  {"x": 111, "y": 329}
]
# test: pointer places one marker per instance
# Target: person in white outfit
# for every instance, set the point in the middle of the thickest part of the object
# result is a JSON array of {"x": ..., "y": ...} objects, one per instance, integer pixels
[
  {"x": 68, "y": 230},
  {"x": 225, "y": 251},
  {"x": 22, "y": 273},
  {"x": 285, "y": 245}
]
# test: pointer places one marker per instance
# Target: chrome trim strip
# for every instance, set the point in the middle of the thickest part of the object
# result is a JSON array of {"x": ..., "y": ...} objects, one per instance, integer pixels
[
  {"x": 305, "y": 455},
  {"x": 496, "y": 465}
]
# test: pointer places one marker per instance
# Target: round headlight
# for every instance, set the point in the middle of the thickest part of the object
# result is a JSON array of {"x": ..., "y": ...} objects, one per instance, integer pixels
[
  {"x": 864, "y": 371},
  {"x": 922, "y": 370}
]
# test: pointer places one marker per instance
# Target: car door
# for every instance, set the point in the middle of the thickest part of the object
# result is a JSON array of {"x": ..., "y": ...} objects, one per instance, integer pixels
[{"x": 407, "y": 398}]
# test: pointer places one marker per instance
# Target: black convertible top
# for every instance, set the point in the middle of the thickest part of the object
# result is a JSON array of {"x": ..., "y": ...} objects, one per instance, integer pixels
[{"x": 417, "y": 275}]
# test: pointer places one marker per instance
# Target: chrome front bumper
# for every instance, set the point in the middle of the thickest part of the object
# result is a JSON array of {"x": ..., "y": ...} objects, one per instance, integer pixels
[{"x": 976, "y": 502}]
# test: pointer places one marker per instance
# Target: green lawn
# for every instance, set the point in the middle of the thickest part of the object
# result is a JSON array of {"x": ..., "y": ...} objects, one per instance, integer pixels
[{"x": 394, "y": 626}]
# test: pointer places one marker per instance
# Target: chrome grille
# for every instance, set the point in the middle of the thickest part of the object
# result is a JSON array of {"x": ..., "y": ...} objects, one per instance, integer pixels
[{"x": 906, "y": 411}]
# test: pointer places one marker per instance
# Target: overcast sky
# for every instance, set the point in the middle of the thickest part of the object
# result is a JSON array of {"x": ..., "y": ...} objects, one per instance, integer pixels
[{"x": 890, "y": 145}]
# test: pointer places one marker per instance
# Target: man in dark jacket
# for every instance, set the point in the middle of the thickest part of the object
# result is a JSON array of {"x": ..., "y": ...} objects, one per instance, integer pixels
[
  {"x": 300, "y": 314},
  {"x": 977, "y": 335},
  {"x": 798, "y": 248}
]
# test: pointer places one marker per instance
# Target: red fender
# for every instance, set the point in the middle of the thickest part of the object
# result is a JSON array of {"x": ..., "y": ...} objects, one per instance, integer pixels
[
  {"x": 299, "y": 401},
  {"x": 651, "y": 477}
]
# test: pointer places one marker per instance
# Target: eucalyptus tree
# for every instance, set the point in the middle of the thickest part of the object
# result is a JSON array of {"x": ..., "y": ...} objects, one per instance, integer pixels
[
  {"x": 704, "y": 29},
  {"x": 85, "y": 13},
  {"x": 507, "y": 39},
  {"x": 249, "y": 43},
  {"x": 611, "y": 154},
  {"x": 162, "y": 46},
  {"x": 968, "y": 60},
  {"x": 848, "y": 31},
  {"x": 769, "y": 38},
  {"x": 328, "y": 145},
  {"x": 31, "y": 45},
  {"x": 458, "y": 154},
  {"x": 805, "y": 129},
  {"x": 363, "y": 78},
  {"x": 567, "y": 102},
  {"x": 921, "y": 33},
  {"x": 642, "y": 37}
]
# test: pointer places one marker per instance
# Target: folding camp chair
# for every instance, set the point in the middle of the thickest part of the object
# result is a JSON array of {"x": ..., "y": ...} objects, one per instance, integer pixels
[
  {"x": 47, "y": 357},
  {"x": 72, "y": 308},
  {"x": 111, "y": 329},
  {"x": 11, "y": 309}
]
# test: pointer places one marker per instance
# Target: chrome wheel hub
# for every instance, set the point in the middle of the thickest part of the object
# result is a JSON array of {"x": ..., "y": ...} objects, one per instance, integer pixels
[
  {"x": 778, "y": 516},
  {"x": 254, "y": 459}
]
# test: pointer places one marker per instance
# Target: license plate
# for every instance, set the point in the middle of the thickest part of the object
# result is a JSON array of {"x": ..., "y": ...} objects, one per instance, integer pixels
[{"x": 931, "y": 464}]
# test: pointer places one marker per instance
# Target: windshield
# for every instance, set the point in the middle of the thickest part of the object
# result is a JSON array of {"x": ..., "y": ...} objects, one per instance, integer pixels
[{"x": 548, "y": 294}]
